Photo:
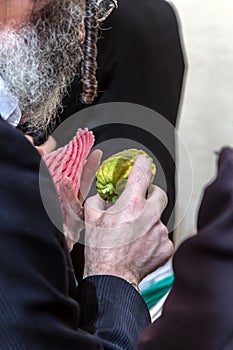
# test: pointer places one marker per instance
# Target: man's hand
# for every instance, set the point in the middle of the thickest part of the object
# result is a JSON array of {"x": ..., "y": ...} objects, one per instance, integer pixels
[
  {"x": 128, "y": 239},
  {"x": 72, "y": 206}
]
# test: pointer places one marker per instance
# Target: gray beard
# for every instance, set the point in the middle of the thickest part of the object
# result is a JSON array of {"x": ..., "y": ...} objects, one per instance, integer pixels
[{"x": 39, "y": 60}]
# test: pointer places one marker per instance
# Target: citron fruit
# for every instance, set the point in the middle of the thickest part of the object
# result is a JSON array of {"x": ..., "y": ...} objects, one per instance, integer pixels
[{"x": 112, "y": 175}]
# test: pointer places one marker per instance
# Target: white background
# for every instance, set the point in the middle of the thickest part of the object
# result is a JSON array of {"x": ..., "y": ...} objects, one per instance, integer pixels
[{"x": 206, "y": 118}]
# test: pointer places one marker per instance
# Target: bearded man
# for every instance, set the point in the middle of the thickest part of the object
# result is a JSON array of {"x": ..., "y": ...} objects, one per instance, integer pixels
[
  {"x": 46, "y": 48},
  {"x": 41, "y": 305}
]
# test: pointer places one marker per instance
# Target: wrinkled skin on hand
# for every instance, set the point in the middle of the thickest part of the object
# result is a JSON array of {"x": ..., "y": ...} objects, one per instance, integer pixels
[{"x": 128, "y": 239}]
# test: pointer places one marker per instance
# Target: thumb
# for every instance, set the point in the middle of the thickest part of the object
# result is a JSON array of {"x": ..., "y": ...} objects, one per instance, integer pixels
[
  {"x": 137, "y": 183},
  {"x": 88, "y": 174}
]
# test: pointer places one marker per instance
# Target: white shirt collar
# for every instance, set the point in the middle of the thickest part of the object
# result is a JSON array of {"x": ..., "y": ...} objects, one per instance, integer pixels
[{"x": 9, "y": 106}]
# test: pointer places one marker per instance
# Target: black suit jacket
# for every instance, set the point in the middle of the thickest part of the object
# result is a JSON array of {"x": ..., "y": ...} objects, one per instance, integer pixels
[
  {"x": 40, "y": 305},
  {"x": 140, "y": 61},
  {"x": 198, "y": 314}
]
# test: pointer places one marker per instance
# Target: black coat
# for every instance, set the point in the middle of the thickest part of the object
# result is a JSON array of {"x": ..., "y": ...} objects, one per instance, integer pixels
[
  {"x": 140, "y": 60},
  {"x": 40, "y": 305},
  {"x": 198, "y": 313}
]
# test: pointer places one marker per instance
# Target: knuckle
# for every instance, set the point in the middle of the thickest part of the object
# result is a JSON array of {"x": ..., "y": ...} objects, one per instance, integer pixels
[
  {"x": 169, "y": 248},
  {"x": 137, "y": 209},
  {"x": 139, "y": 180},
  {"x": 88, "y": 218},
  {"x": 163, "y": 232},
  {"x": 87, "y": 203},
  {"x": 134, "y": 202},
  {"x": 157, "y": 214},
  {"x": 162, "y": 195},
  {"x": 172, "y": 248}
]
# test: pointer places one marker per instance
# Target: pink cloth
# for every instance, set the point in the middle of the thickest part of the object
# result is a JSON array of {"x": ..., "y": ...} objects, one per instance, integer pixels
[{"x": 68, "y": 161}]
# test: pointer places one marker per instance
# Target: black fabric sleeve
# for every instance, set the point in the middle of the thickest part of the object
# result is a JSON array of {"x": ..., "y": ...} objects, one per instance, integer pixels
[
  {"x": 39, "y": 308},
  {"x": 113, "y": 310},
  {"x": 198, "y": 313}
]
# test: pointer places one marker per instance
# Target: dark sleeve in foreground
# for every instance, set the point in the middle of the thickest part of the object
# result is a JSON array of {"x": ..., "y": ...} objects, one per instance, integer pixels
[
  {"x": 39, "y": 308},
  {"x": 198, "y": 314},
  {"x": 112, "y": 310}
]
